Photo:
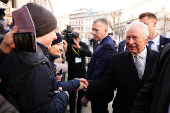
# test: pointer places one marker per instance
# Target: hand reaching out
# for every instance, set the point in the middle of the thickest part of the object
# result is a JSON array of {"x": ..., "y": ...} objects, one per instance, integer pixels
[
  {"x": 84, "y": 81},
  {"x": 82, "y": 86}
]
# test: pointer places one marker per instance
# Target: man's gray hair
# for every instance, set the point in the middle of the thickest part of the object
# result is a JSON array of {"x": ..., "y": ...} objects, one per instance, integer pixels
[
  {"x": 102, "y": 20},
  {"x": 145, "y": 28}
]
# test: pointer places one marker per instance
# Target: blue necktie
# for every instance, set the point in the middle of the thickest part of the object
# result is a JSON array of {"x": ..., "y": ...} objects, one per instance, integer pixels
[
  {"x": 138, "y": 66},
  {"x": 150, "y": 42},
  {"x": 96, "y": 46}
]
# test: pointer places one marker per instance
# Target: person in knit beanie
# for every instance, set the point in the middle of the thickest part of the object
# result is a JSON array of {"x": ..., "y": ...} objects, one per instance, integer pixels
[
  {"x": 55, "y": 49},
  {"x": 45, "y": 23},
  {"x": 29, "y": 75},
  {"x": 44, "y": 20},
  {"x": 56, "y": 45}
]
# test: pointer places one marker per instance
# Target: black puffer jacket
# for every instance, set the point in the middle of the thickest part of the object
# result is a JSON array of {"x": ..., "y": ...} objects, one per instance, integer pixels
[{"x": 28, "y": 81}]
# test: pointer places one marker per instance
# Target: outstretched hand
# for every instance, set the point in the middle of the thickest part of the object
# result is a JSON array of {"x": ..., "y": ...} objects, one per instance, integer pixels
[
  {"x": 84, "y": 81},
  {"x": 83, "y": 84}
]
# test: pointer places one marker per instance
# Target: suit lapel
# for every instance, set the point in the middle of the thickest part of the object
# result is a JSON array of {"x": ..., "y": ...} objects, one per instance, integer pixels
[
  {"x": 149, "y": 63},
  {"x": 99, "y": 45},
  {"x": 162, "y": 43},
  {"x": 130, "y": 68}
]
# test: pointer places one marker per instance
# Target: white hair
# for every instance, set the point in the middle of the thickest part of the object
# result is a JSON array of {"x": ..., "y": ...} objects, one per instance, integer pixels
[{"x": 144, "y": 27}]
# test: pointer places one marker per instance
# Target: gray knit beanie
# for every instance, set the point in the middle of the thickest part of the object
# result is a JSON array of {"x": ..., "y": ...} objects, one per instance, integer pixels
[{"x": 44, "y": 20}]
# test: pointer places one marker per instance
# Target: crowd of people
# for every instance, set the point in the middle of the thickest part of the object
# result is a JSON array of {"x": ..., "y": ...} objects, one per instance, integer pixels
[{"x": 35, "y": 82}]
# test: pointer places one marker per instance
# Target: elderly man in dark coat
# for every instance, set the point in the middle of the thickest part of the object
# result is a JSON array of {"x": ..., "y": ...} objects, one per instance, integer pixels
[{"x": 129, "y": 70}]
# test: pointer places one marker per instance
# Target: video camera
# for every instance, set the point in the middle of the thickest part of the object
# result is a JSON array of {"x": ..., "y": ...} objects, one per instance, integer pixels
[
  {"x": 2, "y": 13},
  {"x": 68, "y": 35}
]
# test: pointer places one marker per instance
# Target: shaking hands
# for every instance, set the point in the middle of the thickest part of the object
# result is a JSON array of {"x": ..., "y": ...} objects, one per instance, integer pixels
[{"x": 83, "y": 84}]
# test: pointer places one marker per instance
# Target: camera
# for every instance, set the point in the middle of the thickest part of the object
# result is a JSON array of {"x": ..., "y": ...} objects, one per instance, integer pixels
[
  {"x": 68, "y": 35},
  {"x": 2, "y": 13}
]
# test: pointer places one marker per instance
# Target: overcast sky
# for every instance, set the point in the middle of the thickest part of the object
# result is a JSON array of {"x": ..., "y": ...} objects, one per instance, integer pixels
[{"x": 65, "y": 6}]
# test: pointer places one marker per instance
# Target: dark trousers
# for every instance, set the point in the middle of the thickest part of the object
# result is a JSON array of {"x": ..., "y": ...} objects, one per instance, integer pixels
[
  {"x": 72, "y": 96},
  {"x": 99, "y": 105}
]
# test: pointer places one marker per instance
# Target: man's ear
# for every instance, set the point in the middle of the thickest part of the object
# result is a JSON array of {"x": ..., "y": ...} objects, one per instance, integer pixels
[
  {"x": 106, "y": 30},
  {"x": 147, "y": 40},
  {"x": 154, "y": 23}
]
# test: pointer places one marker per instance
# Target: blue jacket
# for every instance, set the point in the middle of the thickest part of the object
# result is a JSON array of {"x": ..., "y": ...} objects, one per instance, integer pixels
[
  {"x": 66, "y": 85},
  {"x": 28, "y": 83},
  {"x": 98, "y": 65},
  {"x": 100, "y": 59}
]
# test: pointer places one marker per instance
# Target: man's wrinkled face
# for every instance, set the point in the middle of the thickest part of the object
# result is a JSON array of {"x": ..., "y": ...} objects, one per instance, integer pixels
[
  {"x": 135, "y": 41},
  {"x": 99, "y": 31}
]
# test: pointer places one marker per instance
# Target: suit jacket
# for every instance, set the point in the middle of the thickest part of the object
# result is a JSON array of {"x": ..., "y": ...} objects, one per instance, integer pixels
[
  {"x": 99, "y": 63},
  {"x": 100, "y": 59},
  {"x": 122, "y": 74},
  {"x": 163, "y": 42},
  {"x": 154, "y": 97}
]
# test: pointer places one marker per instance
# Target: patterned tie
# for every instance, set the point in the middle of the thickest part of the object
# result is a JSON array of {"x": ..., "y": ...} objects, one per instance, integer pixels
[
  {"x": 150, "y": 42},
  {"x": 138, "y": 66}
]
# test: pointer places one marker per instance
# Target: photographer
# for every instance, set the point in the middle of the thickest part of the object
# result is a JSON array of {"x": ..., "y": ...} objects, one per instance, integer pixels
[{"x": 75, "y": 56}]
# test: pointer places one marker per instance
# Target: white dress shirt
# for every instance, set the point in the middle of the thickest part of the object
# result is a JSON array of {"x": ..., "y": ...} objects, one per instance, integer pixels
[
  {"x": 101, "y": 40},
  {"x": 142, "y": 59},
  {"x": 156, "y": 41}
]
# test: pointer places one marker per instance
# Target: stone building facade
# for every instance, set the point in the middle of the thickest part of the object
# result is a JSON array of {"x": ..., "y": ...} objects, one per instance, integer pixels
[{"x": 16, "y": 4}]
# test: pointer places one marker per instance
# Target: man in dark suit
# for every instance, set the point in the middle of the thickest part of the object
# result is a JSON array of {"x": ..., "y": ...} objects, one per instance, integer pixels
[
  {"x": 154, "y": 97},
  {"x": 157, "y": 42},
  {"x": 128, "y": 70},
  {"x": 99, "y": 63}
]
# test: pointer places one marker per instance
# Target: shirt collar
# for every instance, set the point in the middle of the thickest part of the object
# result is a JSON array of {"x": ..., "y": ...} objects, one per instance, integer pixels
[
  {"x": 156, "y": 40},
  {"x": 143, "y": 54},
  {"x": 101, "y": 40}
]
